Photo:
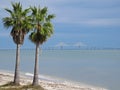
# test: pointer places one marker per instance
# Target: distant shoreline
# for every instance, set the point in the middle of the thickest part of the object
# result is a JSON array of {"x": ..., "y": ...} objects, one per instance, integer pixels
[{"x": 64, "y": 49}]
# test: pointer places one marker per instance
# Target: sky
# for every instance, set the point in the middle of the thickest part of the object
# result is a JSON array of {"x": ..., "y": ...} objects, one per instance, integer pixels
[{"x": 85, "y": 23}]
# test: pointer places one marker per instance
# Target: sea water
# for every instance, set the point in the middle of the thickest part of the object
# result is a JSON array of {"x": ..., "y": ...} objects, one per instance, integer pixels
[{"x": 95, "y": 67}]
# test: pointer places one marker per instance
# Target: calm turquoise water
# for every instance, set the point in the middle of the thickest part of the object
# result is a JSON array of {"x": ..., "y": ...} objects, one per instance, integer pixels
[{"x": 94, "y": 67}]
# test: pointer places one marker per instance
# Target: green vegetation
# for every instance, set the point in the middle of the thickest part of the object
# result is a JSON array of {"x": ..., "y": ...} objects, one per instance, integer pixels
[
  {"x": 21, "y": 22},
  {"x": 42, "y": 30},
  {"x": 10, "y": 86},
  {"x": 18, "y": 22}
]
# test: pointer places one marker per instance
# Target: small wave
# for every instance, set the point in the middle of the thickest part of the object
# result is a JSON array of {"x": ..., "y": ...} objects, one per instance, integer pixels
[
  {"x": 42, "y": 77},
  {"x": 64, "y": 82},
  {"x": 29, "y": 74}
]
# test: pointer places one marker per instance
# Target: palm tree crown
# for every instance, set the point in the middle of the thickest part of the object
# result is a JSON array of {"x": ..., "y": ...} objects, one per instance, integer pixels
[
  {"x": 19, "y": 21},
  {"x": 42, "y": 26}
]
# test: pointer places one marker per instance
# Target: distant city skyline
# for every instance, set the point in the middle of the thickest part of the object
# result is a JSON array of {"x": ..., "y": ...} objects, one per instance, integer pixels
[{"x": 78, "y": 23}]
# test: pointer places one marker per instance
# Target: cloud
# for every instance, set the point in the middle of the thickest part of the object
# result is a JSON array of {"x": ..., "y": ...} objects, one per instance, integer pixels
[
  {"x": 93, "y": 22},
  {"x": 89, "y": 14},
  {"x": 82, "y": 12},
  {"x": 101, "y": 22}
]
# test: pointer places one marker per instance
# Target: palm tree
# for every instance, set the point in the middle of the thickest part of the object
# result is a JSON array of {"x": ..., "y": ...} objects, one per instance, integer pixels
[
  {"x": 18, "y": 21},
  {"x": 42, "y": 30}
]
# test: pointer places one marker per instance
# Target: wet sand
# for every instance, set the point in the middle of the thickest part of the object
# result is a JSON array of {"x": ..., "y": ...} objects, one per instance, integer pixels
[{"x": 47, "y": 84}]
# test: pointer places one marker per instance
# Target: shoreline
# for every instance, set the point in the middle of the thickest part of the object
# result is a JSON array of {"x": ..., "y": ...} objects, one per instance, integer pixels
[{"x": 46, "y": 82}]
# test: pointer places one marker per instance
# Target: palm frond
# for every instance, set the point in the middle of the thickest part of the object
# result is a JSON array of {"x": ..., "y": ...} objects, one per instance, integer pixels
[
  {"x": 26, "y": 11},
  {"x": 19, "y": 21},
  {"x": 8, "y": 22},
  {"x": 43, "y": 28},
  {"x": 44, "y": 10},
  {"x": 8, "y": 10},
  {"x": 49, "y": 17}
]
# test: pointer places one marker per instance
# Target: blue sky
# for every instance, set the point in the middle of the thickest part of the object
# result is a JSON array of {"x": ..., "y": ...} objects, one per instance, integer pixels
[{"x": 88, "y": 23}]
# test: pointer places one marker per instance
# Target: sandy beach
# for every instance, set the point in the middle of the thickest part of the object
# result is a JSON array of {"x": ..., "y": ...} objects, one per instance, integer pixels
[{"x": 47, "y": 84}]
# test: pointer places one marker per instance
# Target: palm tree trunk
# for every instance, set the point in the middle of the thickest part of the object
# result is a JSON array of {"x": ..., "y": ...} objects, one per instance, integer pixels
[
  {"x": 36, "y": 67},
  {"x": 17, "y": 65}
]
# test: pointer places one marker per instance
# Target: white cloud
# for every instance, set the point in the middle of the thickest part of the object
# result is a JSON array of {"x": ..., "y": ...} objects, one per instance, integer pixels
[
  {"x": 88, "y": 16},
  {"x": 82, "y": 12},
  {"x": 92, "y": 22},
  {"x": 101, "y": 22}
]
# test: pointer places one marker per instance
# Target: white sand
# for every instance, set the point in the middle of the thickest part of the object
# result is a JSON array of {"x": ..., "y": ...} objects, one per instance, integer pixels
[{"x": 46, "y": 83}]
